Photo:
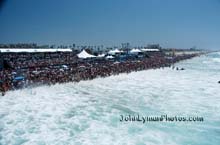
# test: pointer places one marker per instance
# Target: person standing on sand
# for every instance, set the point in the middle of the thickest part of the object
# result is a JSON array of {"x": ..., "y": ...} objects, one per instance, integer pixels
[{"x": 2, "y": 89}]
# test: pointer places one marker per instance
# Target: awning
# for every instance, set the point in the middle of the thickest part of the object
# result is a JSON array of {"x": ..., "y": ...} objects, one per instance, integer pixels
[{"x": 16, "y": 50}]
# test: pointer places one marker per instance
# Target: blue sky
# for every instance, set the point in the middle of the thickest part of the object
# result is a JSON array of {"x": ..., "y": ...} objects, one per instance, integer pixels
[{"x": 171, "y": 23}]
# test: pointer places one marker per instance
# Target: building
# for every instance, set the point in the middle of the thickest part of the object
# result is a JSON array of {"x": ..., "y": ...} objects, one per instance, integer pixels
[{"x": 153, "y": 46}]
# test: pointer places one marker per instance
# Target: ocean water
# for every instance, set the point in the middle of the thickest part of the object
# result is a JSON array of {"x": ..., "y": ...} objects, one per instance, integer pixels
[{"x": 88, "y": 112}]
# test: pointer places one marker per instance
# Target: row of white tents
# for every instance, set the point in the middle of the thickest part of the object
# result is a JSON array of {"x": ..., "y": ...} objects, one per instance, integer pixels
[
  {"x": 134, "y": 50},
  {"x": 83, "y": 54},
  {"x": 66, "y": 50}
]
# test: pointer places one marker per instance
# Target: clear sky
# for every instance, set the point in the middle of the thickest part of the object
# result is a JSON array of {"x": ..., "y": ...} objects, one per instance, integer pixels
[{"x": 171, "y": 23}]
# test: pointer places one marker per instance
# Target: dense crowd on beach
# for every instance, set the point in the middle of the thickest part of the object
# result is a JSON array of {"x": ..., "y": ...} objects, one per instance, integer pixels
[{"x": 62, "y": 67}]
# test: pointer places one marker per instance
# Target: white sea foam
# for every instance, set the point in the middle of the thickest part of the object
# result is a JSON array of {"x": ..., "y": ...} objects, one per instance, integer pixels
[
  {"x": 216, "y": 59},
  {"x": 88, "y": 112}
]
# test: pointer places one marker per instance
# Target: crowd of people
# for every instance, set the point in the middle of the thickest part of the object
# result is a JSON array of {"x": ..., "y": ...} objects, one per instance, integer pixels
[{"x": 30, "y": 69}]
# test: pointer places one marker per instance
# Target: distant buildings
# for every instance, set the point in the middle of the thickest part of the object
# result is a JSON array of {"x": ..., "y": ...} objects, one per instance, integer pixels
[
  {"x": 153, "y": 46},
  {"x": 19, "y": 45}
]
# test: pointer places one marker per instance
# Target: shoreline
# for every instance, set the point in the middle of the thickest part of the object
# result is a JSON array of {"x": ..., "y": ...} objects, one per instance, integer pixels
[{"x": 98, "y": 70}]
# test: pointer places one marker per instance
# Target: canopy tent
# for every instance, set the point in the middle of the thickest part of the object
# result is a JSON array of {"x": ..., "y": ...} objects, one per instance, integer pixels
[
  {"x": 101, "y": 55},
  {"x": 144, "y": 50},
  {"x": 135, "y": 51},
  {"x": 114, "y": 51},
  {"x": 16, "y": 50},
  {"x": 109, "y": 57},
  {"x": 83, "y": 54}
]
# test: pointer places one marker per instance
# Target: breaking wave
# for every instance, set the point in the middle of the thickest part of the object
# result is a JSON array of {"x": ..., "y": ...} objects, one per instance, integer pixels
[{"x": 88, "y": 112}]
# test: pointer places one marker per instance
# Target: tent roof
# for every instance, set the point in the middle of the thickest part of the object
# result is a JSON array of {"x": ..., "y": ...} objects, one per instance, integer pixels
[
  {"x": 109, "y": 57},
  {"x": 84, "y": 54},
  {"x": 114, "y": 51},
  {"x": 33, "y": 50},
  {"x": 101, "y": 55},
  {"x": 135, "y": 51},
  {"x": 149, "y": 49}
]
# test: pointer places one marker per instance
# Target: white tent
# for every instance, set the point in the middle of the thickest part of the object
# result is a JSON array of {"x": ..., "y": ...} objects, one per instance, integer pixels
[
  {"x": 83, "y": 54},
  {"x": 135, "y": 51},
  {"x": 109, "y": 57},
  {"x": 114, "y": 51},
  {"x": 101, "y": 55},
  {"x": 149, "y": 49}
]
